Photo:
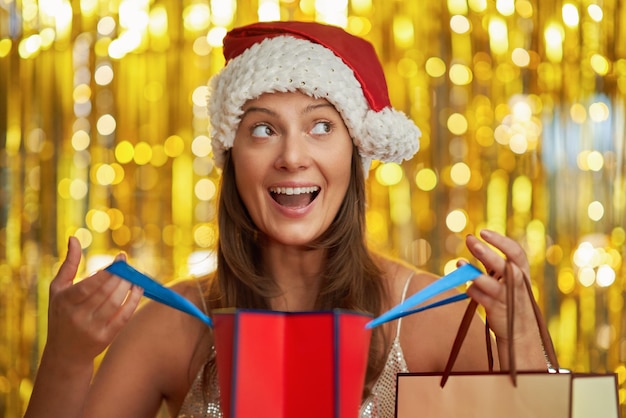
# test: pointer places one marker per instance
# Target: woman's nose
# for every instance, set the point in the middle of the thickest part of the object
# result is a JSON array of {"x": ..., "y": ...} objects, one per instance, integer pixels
[{"x": 294, "y": 153}]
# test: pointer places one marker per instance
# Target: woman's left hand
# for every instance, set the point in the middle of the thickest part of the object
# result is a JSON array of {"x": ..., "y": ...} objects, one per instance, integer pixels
[{"x": 490, "y": 292}]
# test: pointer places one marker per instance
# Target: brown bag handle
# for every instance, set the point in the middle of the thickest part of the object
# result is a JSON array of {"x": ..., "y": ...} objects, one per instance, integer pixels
[{"x": 546, "y": 340}]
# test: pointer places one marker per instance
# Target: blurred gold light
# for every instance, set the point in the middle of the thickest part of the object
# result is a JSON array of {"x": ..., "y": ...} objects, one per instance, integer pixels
[
  {"x": 215, "y": 37},
  {"x": 435, "y": 67},
  {"x": 82, "y": 93},
  {"x": 268, "y": 11},
  {"x": 106, "y": 25},
  {"x": 566, "y": 281},
  {"x": 578, "y": 113},
  {"x": 199, "y": 96},
  {"x": 403, "y": 32},
  {"x": 106, "y": 125},
  {"x": 584, "y": 254},
  {"x": 157, "y": 21},
  {"x": 522, "y": 194},
  {"x": 359, "y": 26},
  {"x": 78, "y": 189},
  {"x": 5, "y": 47},
  {"x": 600, "y": 64},
  {"x": 205, "y": 189},
  {"x": 389, "y": 174},
  {"x": 570, "y": 15},
  {"x": 605, "y": 276},
  {"x": 174, "y": 146},
  {"x": 520, "y": 57},
  {"x": 133, "y": 15},
  {"x": 205, "y": 236},
  {"x": 124, "y": 152},
  {"x": 450, "y": 266},
  {"x": 518, "y": 143},
  {"x": 599, "y": 112},
  {"x": 426, "y": 179},
  {"x": 80, "y": 140},
  {"x": 84, "y": 237},
  {"x": 587, "y": 276},
  {"x": 143, "y": 153},
  {"x": 524, "y": 8},
  {"x": 460, "y": 174},
  {"x": 201, "y": 47},
  {"x": 201, "y": 146},
  {"x": 30, "y": 46},
  {"x": 485, "y": 136},
  {"x": 103, "y": 75},
  {"x": 460, "y": 24},
  {"x": 98, "y": 220},
  {"x": 159, "y": 158},
  {"x": 116, "y": 218},
  {"x": 554, "y": 255},
  {"x": 498, "y": 35},
  {"x": 595, "y": 161},
  {"x": 505, "y": 7},
  {"x": 457, "y": 7},
  {"x": 521, "y": 111},
  {"x": 361, "y": 6},
  {"x": 595, "y": 211},
  {"x": 456, "y": 221},
  {"x": 478, "y": 6},
  {"x": 553, "y": 36},
  {"x": 460, "y": 74},
  {"x": 197, "y": 17},
  {"x": 457, "y": 124},
  {"x": 105, "y": 174},
  {"x": 595, "y": 12},
  {"x": 618, "y": 236}
]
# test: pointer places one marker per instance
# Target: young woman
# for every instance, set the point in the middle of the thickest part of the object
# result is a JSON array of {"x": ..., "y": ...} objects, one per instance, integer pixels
[{"x": 297, "y": 115}]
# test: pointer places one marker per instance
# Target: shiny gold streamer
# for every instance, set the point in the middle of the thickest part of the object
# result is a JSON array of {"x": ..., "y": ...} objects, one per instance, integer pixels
[{"x": 521, "y": 105}]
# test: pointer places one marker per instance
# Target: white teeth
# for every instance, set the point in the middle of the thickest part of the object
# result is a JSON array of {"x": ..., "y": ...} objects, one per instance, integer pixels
[{"x": 294, "y": 190}]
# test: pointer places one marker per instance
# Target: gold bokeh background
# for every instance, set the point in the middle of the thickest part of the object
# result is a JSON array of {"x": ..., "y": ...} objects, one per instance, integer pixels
[{"x": 521, "y": 103}]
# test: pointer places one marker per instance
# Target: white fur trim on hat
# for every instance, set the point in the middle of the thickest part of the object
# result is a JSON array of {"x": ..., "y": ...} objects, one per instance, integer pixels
[{"x": 288, "y": 64}]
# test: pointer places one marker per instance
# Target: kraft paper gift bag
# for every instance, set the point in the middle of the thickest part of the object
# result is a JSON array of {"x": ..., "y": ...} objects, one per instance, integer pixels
[
  {"x": 509, "y": 394},
  {"x": 291, "y": 364}
]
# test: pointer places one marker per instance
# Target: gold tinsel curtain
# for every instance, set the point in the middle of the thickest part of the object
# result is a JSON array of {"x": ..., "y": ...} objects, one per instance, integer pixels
[{"x": 522, "y": 106}]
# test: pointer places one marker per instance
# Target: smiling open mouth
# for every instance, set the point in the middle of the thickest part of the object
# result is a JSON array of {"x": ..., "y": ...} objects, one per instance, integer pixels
[{"x": 294, "y": 197}]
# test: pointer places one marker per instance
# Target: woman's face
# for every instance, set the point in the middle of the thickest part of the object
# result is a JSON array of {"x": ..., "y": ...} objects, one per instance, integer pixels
[{"x": 292, "y": 156}]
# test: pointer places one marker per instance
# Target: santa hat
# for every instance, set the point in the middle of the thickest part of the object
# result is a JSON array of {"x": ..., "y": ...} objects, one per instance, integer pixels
[{"x": 321, "y": 61}]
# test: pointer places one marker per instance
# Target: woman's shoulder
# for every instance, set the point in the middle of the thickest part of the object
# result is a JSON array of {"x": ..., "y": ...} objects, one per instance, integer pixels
[
  {"x": 426, "y": 337},
  {"x": 401, "y": 278},
  {"x": 154, "y": 323}
]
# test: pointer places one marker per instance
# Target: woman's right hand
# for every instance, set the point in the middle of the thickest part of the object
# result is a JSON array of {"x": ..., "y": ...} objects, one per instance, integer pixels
[{"x": 84, "y": 316}]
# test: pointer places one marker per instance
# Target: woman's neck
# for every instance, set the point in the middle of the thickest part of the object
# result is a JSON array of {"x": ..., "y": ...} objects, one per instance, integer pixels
[{"x": 296, "y": 271}]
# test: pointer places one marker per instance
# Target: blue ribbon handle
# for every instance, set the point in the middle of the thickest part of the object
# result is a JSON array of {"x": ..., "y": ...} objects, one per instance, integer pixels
[
  {"x": 463, "y": 274},
  {"x": 155, "y": 291}
]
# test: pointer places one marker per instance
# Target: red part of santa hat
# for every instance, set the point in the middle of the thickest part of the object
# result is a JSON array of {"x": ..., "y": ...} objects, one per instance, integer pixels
[
  {"x": 356, "y": 53},
  {"x": 321, "y": 61}
]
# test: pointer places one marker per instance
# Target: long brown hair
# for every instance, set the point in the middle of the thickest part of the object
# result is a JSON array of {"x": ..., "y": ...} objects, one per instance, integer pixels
[{"x": 350, "y": 277}]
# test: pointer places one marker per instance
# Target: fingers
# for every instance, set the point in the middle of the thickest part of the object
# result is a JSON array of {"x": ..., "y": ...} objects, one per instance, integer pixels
[
  {"x": 511, "y": 248},
  {"x": 108, "y": 300},
  {"x": 494, "y": 262},
  {"x": 69, "y": 268},
  {"x": 488, "y": 292}
]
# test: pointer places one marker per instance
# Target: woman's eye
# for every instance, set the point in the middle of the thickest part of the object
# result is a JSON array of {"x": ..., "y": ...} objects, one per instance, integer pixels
[
  {"x": 261, "y": 131},
  {"x": 321, "y": 128}
]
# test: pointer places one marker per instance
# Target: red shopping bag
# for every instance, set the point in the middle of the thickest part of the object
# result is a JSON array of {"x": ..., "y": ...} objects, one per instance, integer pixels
[{"x": 291, "y": 364}]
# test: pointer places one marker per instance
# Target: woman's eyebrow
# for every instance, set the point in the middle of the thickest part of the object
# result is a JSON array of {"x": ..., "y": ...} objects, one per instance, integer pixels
[
  {"x": 315, "y": 106},
  {"x": 258, "y": 109},
  {"x": 265, "y": 110}
]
